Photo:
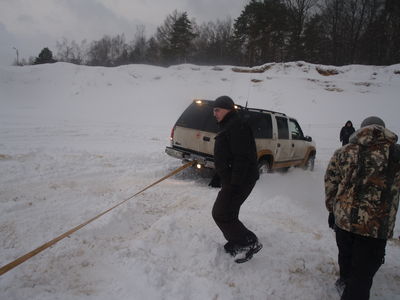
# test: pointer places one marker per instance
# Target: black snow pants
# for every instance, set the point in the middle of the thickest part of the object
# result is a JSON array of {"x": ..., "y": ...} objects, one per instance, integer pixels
[
  {"x": 360, "y": 258},
  {"x": 225, "y": 213}
]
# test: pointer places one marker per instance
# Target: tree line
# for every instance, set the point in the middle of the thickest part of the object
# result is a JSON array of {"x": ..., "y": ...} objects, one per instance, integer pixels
[{"x": 331, "y": 32}]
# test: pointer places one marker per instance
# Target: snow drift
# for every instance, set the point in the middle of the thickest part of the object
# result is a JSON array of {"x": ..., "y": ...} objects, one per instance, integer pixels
[{"x": 76, "y": 140}]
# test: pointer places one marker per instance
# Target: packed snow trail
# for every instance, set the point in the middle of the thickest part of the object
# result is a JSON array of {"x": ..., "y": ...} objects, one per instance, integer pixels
[{"x": 43, "y": 247}]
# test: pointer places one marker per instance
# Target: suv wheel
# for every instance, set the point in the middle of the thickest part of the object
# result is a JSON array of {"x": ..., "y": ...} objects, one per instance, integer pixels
[
  {"x": 310, "y": 163},
  {"x": 264, "y": 166}
]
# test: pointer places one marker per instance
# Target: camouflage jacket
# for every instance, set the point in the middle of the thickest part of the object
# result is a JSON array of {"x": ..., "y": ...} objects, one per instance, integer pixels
[{"x": 363, "y": 198}]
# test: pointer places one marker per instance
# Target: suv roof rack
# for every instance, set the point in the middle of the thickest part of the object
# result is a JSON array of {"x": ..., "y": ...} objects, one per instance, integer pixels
[
  {"x": 244, "y": 108},
  {"x": 261, "y": 110}
]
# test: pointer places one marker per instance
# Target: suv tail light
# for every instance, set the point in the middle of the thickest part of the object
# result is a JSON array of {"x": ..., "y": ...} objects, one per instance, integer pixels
[{"x": 172, "y": 133}]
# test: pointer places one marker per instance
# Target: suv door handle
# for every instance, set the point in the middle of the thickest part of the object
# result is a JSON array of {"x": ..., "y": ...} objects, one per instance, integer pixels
[{"x": 206, "y": 138}]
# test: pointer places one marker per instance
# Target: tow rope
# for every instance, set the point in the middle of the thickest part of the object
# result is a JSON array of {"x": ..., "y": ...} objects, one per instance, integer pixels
[{"x": 31, "y": 254}]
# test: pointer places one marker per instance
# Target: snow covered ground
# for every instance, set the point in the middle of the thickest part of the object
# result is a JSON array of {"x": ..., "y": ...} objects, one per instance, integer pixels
[{"x": 76, "y": 140}]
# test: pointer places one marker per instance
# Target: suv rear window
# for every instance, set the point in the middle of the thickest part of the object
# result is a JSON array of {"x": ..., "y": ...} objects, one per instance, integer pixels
[{"x": 198, "y": 116}]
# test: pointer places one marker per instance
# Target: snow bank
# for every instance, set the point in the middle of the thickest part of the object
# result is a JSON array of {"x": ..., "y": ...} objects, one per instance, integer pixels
[{"x": 76, "y": 140}]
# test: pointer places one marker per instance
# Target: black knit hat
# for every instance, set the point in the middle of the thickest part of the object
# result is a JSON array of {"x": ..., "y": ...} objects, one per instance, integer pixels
[
  {"x": 224, "y": 102},
  {"x": 373, "y": 120}
]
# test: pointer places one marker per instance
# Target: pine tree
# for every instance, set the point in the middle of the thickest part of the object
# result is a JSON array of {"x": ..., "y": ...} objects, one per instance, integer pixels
[
  {"x": 153, "y": 52},
  {"x": 181, "y": 39},
  {"x": 261, "y": 30},
  {"x": 175, "y": 38},
  {"x": 45, "y": 56}
]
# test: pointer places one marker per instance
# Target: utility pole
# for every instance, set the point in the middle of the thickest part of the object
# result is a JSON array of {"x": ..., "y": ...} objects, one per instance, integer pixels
[{"x": 16, "y": 50}]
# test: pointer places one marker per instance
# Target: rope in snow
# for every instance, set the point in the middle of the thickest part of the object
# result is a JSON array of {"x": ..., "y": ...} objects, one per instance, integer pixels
[{"x": 31, "y": 254}]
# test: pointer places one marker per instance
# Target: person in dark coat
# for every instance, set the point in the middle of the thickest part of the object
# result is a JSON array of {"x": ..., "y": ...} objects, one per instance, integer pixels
[
  {"x": 346, "y": 131},
  {"x": 235, "y": 159}
]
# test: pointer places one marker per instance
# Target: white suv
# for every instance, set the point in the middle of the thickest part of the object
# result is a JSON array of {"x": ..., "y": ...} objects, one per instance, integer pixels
[{"x": 279, "y": 139}]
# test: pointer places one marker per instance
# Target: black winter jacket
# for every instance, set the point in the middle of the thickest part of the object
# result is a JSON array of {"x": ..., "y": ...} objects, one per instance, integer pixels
[
  {"x": 235, "y": 154},
  {"x": 346, "y": 132}
]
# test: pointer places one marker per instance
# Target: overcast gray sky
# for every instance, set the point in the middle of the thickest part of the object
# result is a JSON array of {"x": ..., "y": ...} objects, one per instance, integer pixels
[{"x": 30, "y": 25}]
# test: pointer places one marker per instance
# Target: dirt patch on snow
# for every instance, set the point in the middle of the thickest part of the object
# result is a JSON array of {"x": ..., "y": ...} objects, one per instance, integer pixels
[
  {"x": 261, "y": 69},
  {"x": 327, "y": 72}
]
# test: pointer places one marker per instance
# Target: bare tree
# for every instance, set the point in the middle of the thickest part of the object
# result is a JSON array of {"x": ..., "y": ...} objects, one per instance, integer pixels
[
  {"x": 356, "y": 23},
  {"x": 213, "y": 42},
  {"x": 139, "y": 46},
  {"x": 334, "y": 14},
  {"x": 71, "y": 51},
  {"x": 108, "y": 51}
]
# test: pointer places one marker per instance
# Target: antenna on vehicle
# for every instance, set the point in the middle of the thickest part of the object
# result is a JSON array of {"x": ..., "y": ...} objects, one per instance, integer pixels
[{"x": 249, "y": 85}]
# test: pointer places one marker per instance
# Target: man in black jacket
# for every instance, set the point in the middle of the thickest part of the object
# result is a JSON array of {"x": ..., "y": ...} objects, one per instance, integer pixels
[{"x": 235, "y": 158}]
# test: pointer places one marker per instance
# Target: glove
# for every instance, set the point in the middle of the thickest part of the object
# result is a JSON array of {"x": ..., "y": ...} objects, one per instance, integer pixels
[
  {"x": 331, "y": 221},
  {"x": 215, "y": 181}
]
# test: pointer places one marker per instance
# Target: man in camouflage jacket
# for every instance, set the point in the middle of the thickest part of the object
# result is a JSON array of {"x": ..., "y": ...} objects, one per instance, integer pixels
[{"x": 362, "y": 197}]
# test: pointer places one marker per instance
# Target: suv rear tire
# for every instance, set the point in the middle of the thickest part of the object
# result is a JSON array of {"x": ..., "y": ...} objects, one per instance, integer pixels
[{"x": 264, "y": 166}]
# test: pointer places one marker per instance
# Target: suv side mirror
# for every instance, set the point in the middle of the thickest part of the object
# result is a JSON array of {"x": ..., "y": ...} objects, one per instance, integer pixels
[{"x": 308, "y": 138}]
